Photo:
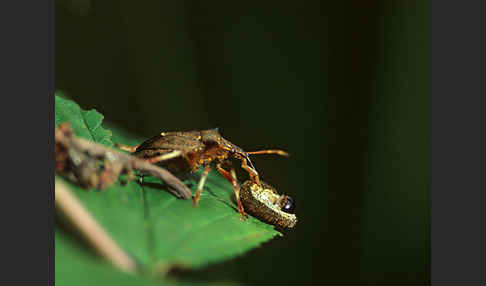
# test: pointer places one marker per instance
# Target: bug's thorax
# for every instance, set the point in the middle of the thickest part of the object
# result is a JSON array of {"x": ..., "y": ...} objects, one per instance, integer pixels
[{"x": 219, "y": 148}]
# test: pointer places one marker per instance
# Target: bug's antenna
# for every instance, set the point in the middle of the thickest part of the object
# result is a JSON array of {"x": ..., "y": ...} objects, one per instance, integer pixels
[{"x": 278, "y": 152}]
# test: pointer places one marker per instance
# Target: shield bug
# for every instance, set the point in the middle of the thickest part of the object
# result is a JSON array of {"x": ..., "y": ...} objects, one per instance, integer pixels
[
  {"x": 265, "y": 203},
  {"x": 187, "y": 151}
]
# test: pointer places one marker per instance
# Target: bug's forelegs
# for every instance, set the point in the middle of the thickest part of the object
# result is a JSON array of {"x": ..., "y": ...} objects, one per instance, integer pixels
[
  {"x": 252, "y": 172},
  {"x": 201, "y": 185},
  {"x": 231, "y": 177}
]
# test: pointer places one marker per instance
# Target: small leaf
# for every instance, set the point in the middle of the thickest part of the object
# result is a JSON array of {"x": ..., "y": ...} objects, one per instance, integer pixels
[{"x": 85, "y": 123}]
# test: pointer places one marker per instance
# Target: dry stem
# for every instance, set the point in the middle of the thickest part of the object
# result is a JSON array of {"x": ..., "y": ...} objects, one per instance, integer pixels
[{"x": 89, "y": 228}]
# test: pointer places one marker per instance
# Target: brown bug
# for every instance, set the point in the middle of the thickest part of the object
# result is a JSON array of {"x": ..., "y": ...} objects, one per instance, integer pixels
[
  {"x": 187, "y": 151},
  {"x": 265, "y": 203}
]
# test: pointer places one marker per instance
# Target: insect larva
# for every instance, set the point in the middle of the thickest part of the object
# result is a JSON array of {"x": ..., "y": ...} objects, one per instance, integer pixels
[{"x": 263, "y": 202}]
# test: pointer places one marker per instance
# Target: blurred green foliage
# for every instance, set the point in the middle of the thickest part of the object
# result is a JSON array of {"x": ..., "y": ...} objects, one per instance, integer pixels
[
  {"x": 74, "y": 266},
  {"x": 342, "y": 85}
]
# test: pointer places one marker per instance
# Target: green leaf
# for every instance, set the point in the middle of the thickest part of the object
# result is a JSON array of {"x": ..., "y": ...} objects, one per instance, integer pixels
[
  {"x": 85, "y": 123},
  {"x": 75, "y": 266},
  {"x": 158, "y": 229}
]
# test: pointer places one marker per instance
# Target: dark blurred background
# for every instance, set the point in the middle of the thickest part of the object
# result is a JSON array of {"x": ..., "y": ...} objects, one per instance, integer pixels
[{"x": 342, "y": 85}]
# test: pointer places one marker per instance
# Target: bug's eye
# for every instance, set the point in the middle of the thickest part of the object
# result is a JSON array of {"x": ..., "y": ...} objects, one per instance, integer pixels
[{"x": 289, "y": 206}]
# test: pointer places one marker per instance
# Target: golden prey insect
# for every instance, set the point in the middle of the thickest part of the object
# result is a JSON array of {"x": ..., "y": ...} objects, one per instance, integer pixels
[
  {"x": 263, "y": 202},
  {"x": 187, "y": 151}
]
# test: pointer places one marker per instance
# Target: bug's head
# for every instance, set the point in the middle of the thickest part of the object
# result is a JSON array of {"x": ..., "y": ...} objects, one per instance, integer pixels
[{"x": 212, "y": 136}]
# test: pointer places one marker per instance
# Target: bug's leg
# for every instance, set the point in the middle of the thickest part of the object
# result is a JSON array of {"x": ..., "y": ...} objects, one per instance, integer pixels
[
  {"x": 252, "y": 172},
  {"x": 278, "y": 152},
  {"x": 164, "y": 157},
  {"x": 231, "y": 177},
  {"x": 130, "y": 149},
  {"x": 201, "y": 184}
]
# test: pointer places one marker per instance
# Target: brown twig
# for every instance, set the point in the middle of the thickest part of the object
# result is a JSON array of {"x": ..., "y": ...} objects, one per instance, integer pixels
[
  {"x": 89, "y": 228},
  {"x": 83, "y": 151}
]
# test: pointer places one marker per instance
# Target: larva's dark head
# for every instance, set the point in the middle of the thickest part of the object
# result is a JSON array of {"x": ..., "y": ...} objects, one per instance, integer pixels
[{"x": 287, "y": 204}]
